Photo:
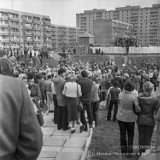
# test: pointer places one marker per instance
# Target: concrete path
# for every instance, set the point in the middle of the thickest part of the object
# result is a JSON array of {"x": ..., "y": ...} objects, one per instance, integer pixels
[{"x": 62, "y": 145}]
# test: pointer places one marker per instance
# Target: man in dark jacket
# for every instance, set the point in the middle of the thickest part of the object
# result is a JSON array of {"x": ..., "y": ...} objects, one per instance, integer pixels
[
  {"x": 20, "y": 134},
  {"x": 86, "y": 88}
]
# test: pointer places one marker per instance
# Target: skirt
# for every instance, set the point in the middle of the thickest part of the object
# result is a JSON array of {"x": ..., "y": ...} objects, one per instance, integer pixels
[{"x": 72, "y": 107}]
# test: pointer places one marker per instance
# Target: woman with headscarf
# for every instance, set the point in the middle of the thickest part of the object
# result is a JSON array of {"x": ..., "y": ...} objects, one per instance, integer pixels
[{"x": 6, "y": 67}]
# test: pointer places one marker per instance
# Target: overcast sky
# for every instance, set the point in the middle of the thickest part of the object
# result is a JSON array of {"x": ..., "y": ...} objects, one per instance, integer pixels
[{"x": 63, "y": 12}]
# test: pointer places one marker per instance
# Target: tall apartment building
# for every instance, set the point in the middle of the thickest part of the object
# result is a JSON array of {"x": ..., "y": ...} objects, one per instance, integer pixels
[
  {"x": 24, "y": 29},
  {"x": 145, "y": 21},
  {"x": 107, "y": 31},
  {"x": 64, "y": 37}
]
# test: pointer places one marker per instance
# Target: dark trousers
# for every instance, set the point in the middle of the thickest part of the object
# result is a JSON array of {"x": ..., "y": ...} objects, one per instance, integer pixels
[
  {"x": 115, "y": 103},
  {"x": 55, "y": 108},
  {"x": 94, "y": 111},
  {"x": 86, "y": 107},
  {"x": 62, "y": 119},
  {"x": 126, "y": 128},
  {"x": 145, "y": 136}
]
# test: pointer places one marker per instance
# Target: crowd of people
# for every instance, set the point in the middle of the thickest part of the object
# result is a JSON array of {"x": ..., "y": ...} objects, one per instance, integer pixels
[{"x": 73, "y": 92}]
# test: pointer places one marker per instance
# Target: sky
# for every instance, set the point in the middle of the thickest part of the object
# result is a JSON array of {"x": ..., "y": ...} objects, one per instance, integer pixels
[{"x": 63, "y": 12}]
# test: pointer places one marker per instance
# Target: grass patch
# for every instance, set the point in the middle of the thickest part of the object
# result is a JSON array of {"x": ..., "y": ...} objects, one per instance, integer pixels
[{"x": 105, "y": 144}]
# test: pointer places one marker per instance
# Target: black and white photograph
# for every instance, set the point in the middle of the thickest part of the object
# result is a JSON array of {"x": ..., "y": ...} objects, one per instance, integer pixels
[{"x": 79, "y": 79}]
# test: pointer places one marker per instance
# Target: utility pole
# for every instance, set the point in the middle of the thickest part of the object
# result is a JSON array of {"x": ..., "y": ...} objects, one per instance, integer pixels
[{"x": 12, "y": 4}]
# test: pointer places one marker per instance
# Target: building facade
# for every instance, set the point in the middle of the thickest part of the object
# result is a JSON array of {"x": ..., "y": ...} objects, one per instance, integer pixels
[
  {"x": 32, "y": 30},
  {"x": 107, "y": 31},
  {"x": 145, "y": 21},
  {"x": 64, "y": 38},
  {"x": 24, "y": 29}
]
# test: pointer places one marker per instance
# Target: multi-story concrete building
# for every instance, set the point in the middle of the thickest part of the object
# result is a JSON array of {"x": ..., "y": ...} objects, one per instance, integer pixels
[
  {"x": 146, "y": 21},
  {"x": 107, "y": 31},
  {"x": 24, "y": 29},
  {"x": 64, "y": 37}
]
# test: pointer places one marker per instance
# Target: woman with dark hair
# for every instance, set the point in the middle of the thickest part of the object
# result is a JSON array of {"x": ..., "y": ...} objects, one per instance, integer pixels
[
  {"x": 126, "y": 117},
  {"x": 6, "y": 67}
]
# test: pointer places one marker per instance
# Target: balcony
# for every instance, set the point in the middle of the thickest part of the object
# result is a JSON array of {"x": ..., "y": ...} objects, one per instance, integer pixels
[
  {"x": 4, "y": 32},
  {"x": 29, "y": 33},
  {"x": 28, "y": 27},
  {"x": 15, "y": 19},
  {"x": 15, "y": 40},
  {"x": 4, "y": 18},
  {"x": 4, "y": 25},
  {"x": 5, "y": 40},
  {"x": 29, "y": 39},
  {"x": 37, "y": 33}
]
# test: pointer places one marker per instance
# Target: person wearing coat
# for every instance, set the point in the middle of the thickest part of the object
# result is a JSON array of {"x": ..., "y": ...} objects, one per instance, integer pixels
[
  {"x": 20, "y": 134},
  {"x": 149, "y": 105},
  {"x": 127, "y": 118}
]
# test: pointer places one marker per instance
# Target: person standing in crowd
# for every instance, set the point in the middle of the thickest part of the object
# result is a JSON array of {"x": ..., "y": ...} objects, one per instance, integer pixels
[
  {"x": 41, "y": 84},
  {"x": 86, "y": 87},
  {"x": 126, "y": 117},
  {"x": 55, "y": 103},
  {"x": 95, "y": 101},
  {"x": 34, "y": 89},
  {"x": 59, "y": 82},
  {"x": 112, "y": 97},
  {"x": 48, "y": 84},
  {"x": 149, "y": 105},
  {"x": 72, "y": 92},
  {"x": 17, "y": 107}
]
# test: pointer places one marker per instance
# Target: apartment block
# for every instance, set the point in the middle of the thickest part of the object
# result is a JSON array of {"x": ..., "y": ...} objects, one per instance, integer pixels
[
  {"x": 64, "y": 37},
  {"x": 107, "y": 31},
  {"x": 145, "y": 21},
  {"x": 24, "y": 29}
]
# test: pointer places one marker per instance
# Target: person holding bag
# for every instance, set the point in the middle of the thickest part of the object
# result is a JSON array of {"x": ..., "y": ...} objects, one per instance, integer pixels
[{"x": 72, "y": 91}]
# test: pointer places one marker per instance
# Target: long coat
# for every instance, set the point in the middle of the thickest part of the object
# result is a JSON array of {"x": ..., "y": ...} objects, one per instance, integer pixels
[{"x": 20, "y": 134}]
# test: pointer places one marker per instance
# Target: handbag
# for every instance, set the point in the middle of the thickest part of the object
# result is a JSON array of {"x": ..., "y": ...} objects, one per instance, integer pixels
[
  {"x": 39, "y": 114},
  {"x": 80, "y": 105},
  {"x": 40, "y": 118}
]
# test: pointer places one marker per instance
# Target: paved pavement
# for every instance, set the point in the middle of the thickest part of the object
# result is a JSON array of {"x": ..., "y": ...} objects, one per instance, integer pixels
[{"x": 62, "y": 145}]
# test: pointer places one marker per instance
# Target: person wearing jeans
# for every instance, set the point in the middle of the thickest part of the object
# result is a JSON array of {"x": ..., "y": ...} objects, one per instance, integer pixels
[{"x": 126, "y": 117}]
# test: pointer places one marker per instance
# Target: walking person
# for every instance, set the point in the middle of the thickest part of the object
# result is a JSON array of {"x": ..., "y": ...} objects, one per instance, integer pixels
[{"x": 72, "y": 92}]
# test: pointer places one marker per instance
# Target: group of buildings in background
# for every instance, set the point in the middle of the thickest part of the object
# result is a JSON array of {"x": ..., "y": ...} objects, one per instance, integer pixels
[
  {"x": 33, "y": 30},
  {"x": 143, "y": 23}
]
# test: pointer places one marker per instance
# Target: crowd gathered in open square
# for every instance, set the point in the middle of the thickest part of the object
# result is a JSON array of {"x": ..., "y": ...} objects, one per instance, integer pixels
[{"x": 73, "y": 91}]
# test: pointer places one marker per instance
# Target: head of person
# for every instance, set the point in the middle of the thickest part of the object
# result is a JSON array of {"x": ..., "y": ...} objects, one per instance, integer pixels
[
  {"x": 148, "y": 87},
  {"x": 73, "y": 78},
  {"x": 62, "y": 72},
  {"x": 129, "y": 86},
  {"x": 84, "y": 74},
  {"x": 115, "y": 83},
  {"x": 30, "y": 78},
  {"x": 49, "y": 76},
  {"x": 6, "y": 67}
]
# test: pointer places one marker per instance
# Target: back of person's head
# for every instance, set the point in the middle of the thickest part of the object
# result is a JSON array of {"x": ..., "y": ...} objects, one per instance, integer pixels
[
  {"x": 49, "y": 76},
  {"x": 30, "y": 75},
  {"x": 129, "y": 86},
  {"x": 115, "y": 83},
  {"x": 73, "y": 78},
  {"x": 39, "y": 76},
  {"x": 61, "y": 71},
  {"x": 84, "y": 74},
  {"x": 148, "y": 87},
  {"x": 6, "y": 67}
]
